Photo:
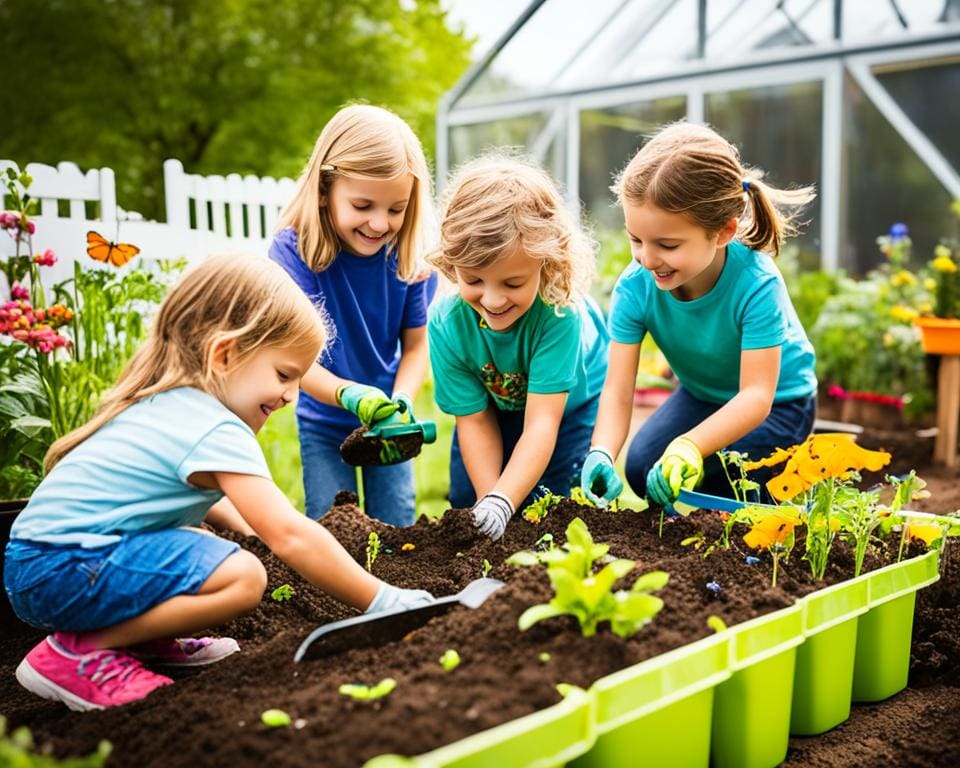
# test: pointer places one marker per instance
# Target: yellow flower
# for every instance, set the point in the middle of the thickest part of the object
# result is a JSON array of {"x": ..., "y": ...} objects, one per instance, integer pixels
[
  {"x": 903, "y": 277},
  {"x": 926, "y": 308},
  {"x": 900, "y": 312},
  {"x": 944, "y": 264},
  {"x": 929, "y": 283},
  {"x": 926, "y": 533},
  {"x": 821, "y": 522},
  {"x": 772, "y": 529},
  {"x": 777, "y": 457},
  {"x": 940, "y": 251},
  {"x": 408, "y": 547},
  {"x": 888, "y": 339}
]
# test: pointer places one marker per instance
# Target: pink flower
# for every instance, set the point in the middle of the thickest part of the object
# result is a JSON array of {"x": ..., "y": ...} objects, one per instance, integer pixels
[
  {"x": 19, "y": 292},
  {"x": 9, "y": 220},
  {"x": 45, "y": 259},
  {"x": 31, "y": 227}
]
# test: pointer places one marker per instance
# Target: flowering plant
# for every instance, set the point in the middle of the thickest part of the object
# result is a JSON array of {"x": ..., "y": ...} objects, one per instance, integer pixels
[
  {"x": 57, "y": 358},
  {"x": 943, "y": 275}
]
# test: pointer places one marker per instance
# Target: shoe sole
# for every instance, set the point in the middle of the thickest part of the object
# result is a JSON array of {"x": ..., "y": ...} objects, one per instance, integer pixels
[{"x": 36, "y": 683}]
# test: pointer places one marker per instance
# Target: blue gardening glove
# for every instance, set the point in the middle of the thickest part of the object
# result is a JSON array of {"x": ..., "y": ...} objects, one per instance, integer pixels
[
  {"x": 390, "y": 598},
  {"x": 368, "y": 404},
  {"x": 492, "y": 513},
  {"x": 598, "y": 478},
  {"x": 680, "y": 466}
]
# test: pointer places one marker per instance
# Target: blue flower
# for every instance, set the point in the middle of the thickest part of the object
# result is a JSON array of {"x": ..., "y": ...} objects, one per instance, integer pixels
[
  {"x": 899, "y": 231},
  {"x": 751, "y": 560}
]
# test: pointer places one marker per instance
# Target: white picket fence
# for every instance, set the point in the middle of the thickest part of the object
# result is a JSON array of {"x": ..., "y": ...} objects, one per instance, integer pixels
[{"x": 205, "y": 214}]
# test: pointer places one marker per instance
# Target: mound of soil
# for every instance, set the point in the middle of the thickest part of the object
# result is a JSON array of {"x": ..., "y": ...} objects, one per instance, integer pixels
[{"x": 359, "y": 451}]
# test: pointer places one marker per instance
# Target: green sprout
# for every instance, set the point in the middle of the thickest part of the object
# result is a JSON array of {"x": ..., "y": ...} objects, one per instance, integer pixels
[
  {"x": 368, "y": 692},
  {"x": 485, "y": 567},
  {"x": 543, "y": 657},
  {"x": 373, "y": 549},
  {"x": 537, "y": 510},
  {"x": 18, "y": 749},
  {"x": 716, "y": 623},
  {"x": 283, "y": 592},
  {"x": 450, "y": 660},
  {"x": 275, "y": 718},
  {"x": 577, "y": 495}
]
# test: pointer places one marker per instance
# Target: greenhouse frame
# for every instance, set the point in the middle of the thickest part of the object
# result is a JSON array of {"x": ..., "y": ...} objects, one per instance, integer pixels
[{"x": 859, "y": 97}]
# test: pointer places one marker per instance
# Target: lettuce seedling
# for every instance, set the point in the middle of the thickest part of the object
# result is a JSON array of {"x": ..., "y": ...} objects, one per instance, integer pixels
[
  {"x": 283, "y": 592},
  {"x": 450, "y": 660},
  {"x": 373, "y": 549},
  {"x": 485, "y": 567},
  {"x": 368, "y": 692},
  {"x": 588, "y": 597},
  {"x": 539, "y": 507}
]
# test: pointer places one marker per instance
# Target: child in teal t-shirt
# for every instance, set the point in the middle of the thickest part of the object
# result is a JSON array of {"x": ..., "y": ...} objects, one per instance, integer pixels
[{"x": 520, "y": 353}]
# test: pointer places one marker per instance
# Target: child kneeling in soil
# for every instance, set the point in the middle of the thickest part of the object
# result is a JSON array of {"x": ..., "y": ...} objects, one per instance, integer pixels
[
  {"x": 104, "y": 555},
  {"x": 519, "y": 355}
]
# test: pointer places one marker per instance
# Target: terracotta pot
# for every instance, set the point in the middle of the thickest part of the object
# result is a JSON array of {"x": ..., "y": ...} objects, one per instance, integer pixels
[
  {"x": 940, "y": 335},
  {"x": 9, "y": 509}
]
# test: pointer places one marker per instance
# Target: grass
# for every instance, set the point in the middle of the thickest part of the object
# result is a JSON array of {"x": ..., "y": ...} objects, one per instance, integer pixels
[{"x": 278, "y": 438}]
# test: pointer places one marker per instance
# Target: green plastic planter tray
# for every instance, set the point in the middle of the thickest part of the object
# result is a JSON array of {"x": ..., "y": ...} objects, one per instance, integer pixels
[
  {"x": 751, "y": 711},
  {"x": 885, "y": 631},
  {"x": 823, "y": 680},
  {"x": 664, "y": 704},
  {"x": 549, "y": 738}
]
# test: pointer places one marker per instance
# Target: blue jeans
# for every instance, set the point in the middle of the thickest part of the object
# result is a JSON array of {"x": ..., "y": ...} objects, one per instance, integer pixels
[
  {"x": 388, "y": 492},
  {"x": 68, "y": 588},
  {"x": 787, "y": 424},
  {"x": 561, "y": 474}
]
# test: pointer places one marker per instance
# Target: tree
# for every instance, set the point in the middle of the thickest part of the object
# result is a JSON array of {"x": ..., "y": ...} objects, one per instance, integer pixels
[{"x": 222, "y": 85}]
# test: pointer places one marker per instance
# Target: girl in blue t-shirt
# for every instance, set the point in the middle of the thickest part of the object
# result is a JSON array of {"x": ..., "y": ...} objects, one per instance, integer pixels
[
  {"x": 717, "y": 309},
  {"x": 353, "y": 238},
  {"x": 519, "y": 354},
  {"x": 107, "y": 556}
]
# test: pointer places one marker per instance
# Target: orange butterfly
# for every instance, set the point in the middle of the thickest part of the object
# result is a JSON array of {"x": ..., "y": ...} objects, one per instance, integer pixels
[{"x": 101, "y": 249}]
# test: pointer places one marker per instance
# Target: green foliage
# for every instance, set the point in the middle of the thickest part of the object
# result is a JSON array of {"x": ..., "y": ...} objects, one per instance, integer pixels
[
  {"x": 283, "y": 592},
  {"x": 809, "y": 290},
  {"x": 373, "y": 549},
  {"x": 860, "y": 515},
  {"x": 450, "y": 660},
  {"x": 17, "y": 750},
  {"x": 485, "y": 567},
  {"x": 537, "y": 510},
  {"x": 368, "y": 692},
  {"x": 122, "y": 88},
  {"x": 589, "y": 596}
]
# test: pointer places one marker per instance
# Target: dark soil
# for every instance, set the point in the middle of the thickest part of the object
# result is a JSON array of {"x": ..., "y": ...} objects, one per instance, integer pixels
[
  {"x": 359, "y": 451},
  {"x": 211, "y": 717}
]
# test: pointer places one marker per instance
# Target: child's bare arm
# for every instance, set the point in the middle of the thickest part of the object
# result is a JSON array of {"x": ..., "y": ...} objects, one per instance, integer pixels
[
  {"x": 481, "y": 447},
  {"x": 224, "y": 515},
  {"x": 616, "y": 399},
  {"x": 413, "y": 361},
  {"x": 302, "y": 543},
  {"x": 531, "y": 455},
  {"x": 322, "y": 384}
]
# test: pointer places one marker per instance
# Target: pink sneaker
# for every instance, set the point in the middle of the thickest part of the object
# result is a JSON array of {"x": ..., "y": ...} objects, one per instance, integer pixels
[
  {"x": 185, "y": 651},
  {"x": 94, "y": 680}
]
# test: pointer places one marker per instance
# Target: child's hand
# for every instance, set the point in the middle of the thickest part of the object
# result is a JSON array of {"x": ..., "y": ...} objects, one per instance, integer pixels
[
  {"x": 599, "y": 479},
  {"x": 404, "y": 412},
  {"x": 680, "y": 466},
  {"x": 369, "y": 404},
  {"x": 492, "y": 513},
  {"x": 390, "y": 598}
]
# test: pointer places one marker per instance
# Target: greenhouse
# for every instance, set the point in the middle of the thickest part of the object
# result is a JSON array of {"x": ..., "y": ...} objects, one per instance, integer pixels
[{"x": 856, "y": 97}]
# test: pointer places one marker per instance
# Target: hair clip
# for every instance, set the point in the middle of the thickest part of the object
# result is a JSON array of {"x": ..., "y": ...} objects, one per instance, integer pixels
[
  {"x": 746, "y": 185},
  {"x": 328, "y": 167}
]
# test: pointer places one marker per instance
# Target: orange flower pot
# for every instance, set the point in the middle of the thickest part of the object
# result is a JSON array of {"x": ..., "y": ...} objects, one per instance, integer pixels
[{"x": 941, "y": 336}]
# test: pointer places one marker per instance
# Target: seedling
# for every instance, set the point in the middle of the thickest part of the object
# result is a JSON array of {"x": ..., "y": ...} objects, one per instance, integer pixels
[
  {"x": 485, "y": 567},
  {"x": 544, "y": 543},
  {"x": 774, "y": 532},
  {"x": 18, "y": 749},
  {"x": 373, "y": 549},
  {"x": 283, "y": 592},
  {"x": 716, "y": 623},
  {"x": 543, "y": 657},
  {"x": 275, "y": 718},
  {"x": 368, "y": 692},
  {"x": 860, "y": 515},
  {"x": 450, "y": 660},
  {"x": 537, "y": 510},
  {"x": 908, "y": 489},
  {"x": 577, "y": 495},
  {"x": 588, "y": 597}
]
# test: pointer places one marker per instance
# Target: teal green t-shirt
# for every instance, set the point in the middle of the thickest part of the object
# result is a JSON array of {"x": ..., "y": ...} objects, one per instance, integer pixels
[
  {"x": 702, "y": 339},
  {"x": 542, "y": 352}
]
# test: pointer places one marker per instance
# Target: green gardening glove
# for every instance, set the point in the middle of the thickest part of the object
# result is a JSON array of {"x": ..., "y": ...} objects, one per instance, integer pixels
[
  {"x": 369, "y": 404},
  {"x": 404, "y": 412},
  {"x": 680, "y": 466}
]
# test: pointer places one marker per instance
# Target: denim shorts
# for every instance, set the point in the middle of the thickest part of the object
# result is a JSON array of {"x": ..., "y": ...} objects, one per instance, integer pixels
[{"x": 68, "y": 588}]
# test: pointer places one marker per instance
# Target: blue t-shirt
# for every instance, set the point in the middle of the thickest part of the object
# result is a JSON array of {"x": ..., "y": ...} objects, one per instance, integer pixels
[
  {"x": 131, "y": 474},
  {"x": 543, "y": 353},
  {"x": 369, "y": 307},
  {"x": 702, "y": 339}
]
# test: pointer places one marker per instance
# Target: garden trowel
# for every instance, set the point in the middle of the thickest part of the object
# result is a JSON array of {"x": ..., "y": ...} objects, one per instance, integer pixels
[
  {"x": 382, "y": 443},
  {"x": 385, "y": 627}
]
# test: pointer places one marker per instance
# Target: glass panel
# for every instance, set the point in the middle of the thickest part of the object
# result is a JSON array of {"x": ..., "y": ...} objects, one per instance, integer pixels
[
  {"x": 885, "y": 183},
  {"x": 608, "y": 139},
  {"x": 869, "y": 19},
  {"x": 778, "y": 129},
  {"x": 467, "y": 141},
  {"x": 735, "y": 27},
  {"x": 540, "y": 49},
  {"x": 928, "y": 94}
]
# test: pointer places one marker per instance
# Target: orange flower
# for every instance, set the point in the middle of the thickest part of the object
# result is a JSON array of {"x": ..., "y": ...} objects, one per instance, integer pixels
[
  {"x": 785, "y": 486},
  {"x": 777, "y": 457},
  {"x": 925, "y": 532},
  {"x": 772, "y": 529}
]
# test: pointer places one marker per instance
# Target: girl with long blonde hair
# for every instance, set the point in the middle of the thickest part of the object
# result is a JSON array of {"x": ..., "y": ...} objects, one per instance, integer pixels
[{"x": 107, "y": 555}]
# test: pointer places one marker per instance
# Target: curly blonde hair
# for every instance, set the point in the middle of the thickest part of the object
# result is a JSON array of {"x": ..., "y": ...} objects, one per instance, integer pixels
[
  {"x": 361, "y": 141},
  {"x": 499, "y": 202},
  {"x": 690, "y": 169}
]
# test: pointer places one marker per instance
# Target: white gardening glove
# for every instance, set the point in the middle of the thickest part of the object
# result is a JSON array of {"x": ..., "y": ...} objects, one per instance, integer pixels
[
  {"x": 391, "y": 598},
  {"x": 492, "y": 513}
]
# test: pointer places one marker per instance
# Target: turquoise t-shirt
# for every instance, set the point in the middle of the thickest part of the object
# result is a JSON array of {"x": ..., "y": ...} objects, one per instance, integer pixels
[
  {"x": 542, "y": 353},
  {"x": 131, "y": 474},
  {"x": 702, "y": 339}
]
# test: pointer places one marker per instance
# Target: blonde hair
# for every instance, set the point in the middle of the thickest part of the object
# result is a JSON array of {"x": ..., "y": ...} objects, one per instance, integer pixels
[
  {"x": 360, "y": 141},
  {"x": 690, "y": 169},
  {"x": 498, "y": 203},
  {"x": 246, "y": 301}
]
